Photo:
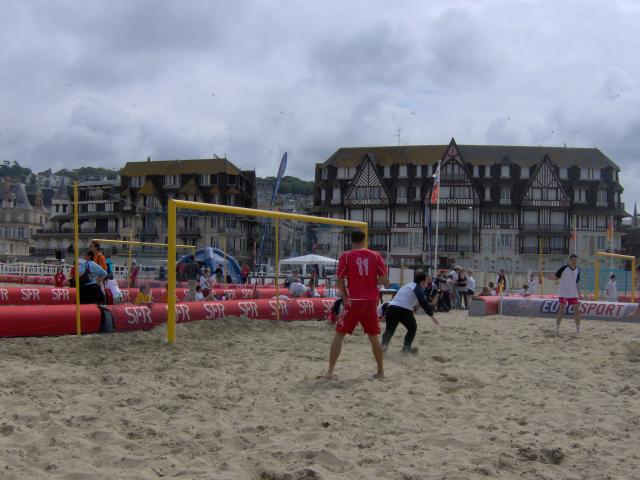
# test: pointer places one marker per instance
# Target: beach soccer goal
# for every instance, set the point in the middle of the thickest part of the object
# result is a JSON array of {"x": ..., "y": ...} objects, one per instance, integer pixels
[
  {"x": 603, "y": 255},
  {"x": 242, "y": 213}
]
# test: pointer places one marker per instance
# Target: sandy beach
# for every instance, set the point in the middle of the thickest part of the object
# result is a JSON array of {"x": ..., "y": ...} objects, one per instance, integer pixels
[{"x": 238, "y": 399}]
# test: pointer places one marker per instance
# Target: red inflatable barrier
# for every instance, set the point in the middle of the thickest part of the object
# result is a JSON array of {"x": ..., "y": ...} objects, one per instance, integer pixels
[
  {"x": 142, "y": 317},
  {"x": 34, "y": 321}
]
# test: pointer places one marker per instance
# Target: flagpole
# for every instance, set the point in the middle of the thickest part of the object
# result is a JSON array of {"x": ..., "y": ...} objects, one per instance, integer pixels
[{"x": 435, "y": 250}]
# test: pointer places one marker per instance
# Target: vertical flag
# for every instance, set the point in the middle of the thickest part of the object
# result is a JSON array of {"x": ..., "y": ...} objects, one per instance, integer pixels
[
  {"x": 435, "y": 192},
  {"x": 274, "y": 194},
  {"x": 610, "y": 234}
]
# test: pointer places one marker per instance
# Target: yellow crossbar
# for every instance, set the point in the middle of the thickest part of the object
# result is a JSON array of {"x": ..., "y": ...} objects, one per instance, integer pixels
[
  {"x": 146, "y": 244},
  {"x": 215, "y": 208}
]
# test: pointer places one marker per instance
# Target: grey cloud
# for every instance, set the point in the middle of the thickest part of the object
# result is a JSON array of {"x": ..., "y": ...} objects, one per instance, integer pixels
[{"x": 342, "y": 74}]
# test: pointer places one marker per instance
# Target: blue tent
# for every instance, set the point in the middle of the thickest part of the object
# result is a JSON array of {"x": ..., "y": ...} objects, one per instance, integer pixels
[{"x": 211, "y": 258}]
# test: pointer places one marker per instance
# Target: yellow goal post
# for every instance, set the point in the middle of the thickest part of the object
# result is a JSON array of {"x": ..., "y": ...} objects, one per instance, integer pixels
[
  {"x": 596, "y": 285},
  {"x": 174, "y": 205}
]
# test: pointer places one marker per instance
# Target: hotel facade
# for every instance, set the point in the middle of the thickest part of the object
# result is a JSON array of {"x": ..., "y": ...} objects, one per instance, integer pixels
[{"x": 500, "y": 206}]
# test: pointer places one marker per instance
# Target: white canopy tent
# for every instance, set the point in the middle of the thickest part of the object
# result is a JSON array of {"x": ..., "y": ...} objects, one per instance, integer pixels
[{"x": 310, "y": 259}]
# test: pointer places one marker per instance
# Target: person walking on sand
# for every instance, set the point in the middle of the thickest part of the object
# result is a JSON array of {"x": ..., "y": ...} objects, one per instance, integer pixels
[
  {"x": 400, "y": 310},
  {"x": 360, "y": 271},
  {"x": 612, "y": 289},
  {"x": 569, "y": 291}
]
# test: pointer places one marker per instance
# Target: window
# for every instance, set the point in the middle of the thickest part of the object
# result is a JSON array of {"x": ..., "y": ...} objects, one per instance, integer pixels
[
  {"x": 580, "y": 195},
  {"x": 205, "y": 179},
  {"x": 487, "y": 194},
  {"x": 108, "y": 207},
  {"x": 418, "y": 171},
  {"x": 584, "y": 223},
  {"x": 336, "y": 195},
  {"x": 602, "y": 198},
  {"x": 214, "y": 179},
  {"x": 323, "y": 195},
  {"x": 590, "y": 173},
  {"x": 325, "y": 173},
  {"x": 232, "y": 179},
  {"x": 536, "y": 194},
  {"x": 487, "y": 220},
  {"x": 564, "y": 173},
  {"x": 137, "y": 181},
  {"x": 57, "y": 208},
  {"x": 172, "y": 180},
  {"x": 556, "y": 244},
  {"x": 402, "y": 217},
  {"x": 476, "y": 171},
  {"x": 551, "y": 194},
  {"x": 505, "y": 195},
  {"x": 505, "y": 171},
  {"x": 231, "y": 198},
  {"x": 417, "y": 197},
  {"x": 402, "y": 172},
  {"x": 402, "y": 193},
  {"x": 400, "y": 239},
  {"x": 601, "y": 242},
  {"x": 504, "y": 240},
  {"x": 505, "y": 218},
  {"x": 91, "y": 207},
  {"x": 387, "y": 172},
  {"x": 524, "y": 172},
  {"x": 345, "y": 172}
]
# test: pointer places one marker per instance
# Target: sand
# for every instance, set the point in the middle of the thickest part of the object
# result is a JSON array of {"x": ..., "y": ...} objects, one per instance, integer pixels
[{"x": 238, "y": 399}]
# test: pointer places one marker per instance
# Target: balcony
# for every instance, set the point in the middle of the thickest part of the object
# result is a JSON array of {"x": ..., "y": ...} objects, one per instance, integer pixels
[
  {"x": 380, "y": 225},
  {"x": 545, "y": 250},
  {"x": 189, "y": 231},
  {"x": 453, "y": 248},
  {"x": 537, "y": 227},
  {"x": 453, "y": 177},
  {"x": 401, "y": 200},
  {"x": 505, "y": 201},
  {"x": 336, "y": 201},
  {"x": 464, "y": 226},
  {"x": 546, "y": 203}
]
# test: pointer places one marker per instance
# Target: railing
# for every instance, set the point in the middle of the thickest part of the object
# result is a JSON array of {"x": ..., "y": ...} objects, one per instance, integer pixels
[
  {"x": 545, "y": 250},
  {"x": 453, "y": 225},
  {"x": 336, "y": 201},
  {"x": 454, "y": 177},
  {"x": 378, "y": 225},
  {"x": 505, "y": 201},
  {"x": 538, "y": 227},
  {"x": 400, "y": 224},
  {"x": 189, "y": 231},
  {"x": 401, "y": 200},
  {"x": 381, "y": 247},
  {"x": 456, "y": 248}
]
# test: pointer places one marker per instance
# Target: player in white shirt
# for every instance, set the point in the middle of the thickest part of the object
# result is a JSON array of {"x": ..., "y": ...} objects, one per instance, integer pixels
[
  {"x": 612, "y": 289},
  {"x": 400, "y": 310},
  {"x": 533, "y": 284},
  {"x": 569, "y": 291}
]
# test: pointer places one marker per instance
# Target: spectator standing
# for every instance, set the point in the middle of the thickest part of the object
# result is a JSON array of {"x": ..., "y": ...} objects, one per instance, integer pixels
[
  {"x": 501, "y": 283},
  {"x": 533, "y": 284},
  {"x": 245, "y": 273},
  {"x": 191, "y": 272},
  {"x": 612, "y": 289},
  {"x": 59, "y": 279},
  {"x": 91, "y": 274},
  {"x": 471, "y": 284},
  {"x": 462, "y": 290},
  {"x": 98, "y": 257},
  {"x": 109, "y": 263},
  {"x": 133, "y": 275}
]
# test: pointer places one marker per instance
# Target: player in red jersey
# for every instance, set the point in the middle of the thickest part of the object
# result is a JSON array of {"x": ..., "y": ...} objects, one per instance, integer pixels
[{"x": 363, "y": 270}]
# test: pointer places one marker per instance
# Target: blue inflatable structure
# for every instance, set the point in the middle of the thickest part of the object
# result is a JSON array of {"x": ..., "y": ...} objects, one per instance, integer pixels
[{"x": 212, "y": 258}]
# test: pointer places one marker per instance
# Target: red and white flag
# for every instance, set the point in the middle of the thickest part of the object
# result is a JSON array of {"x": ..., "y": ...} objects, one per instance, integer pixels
[{"x": 435, "y": 192}]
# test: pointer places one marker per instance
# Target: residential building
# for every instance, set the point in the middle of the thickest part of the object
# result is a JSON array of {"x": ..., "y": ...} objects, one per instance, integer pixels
[
  {"x": 148, "y": 186},
  {"x": 98, "y": 217},
  {"x": 500, "y": 206},
  {"x": 22, "y": 212}
]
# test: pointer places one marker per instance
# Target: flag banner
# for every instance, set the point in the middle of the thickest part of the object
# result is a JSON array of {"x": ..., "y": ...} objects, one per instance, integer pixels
[
  {"x": 274, "y": 194},
  {"x": 610, "y": 230},
  {"x": 435, "y": 192}
]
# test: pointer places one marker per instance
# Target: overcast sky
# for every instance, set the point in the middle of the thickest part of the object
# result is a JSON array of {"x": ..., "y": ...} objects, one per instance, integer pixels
[{"x": 105, "y": 82}]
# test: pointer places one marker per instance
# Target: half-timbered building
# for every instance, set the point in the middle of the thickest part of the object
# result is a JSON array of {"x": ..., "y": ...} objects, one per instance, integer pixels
[{"x": 500, "y": 206}]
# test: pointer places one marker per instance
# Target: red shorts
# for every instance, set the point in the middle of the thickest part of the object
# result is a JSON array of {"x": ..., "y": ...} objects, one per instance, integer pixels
[
  {"x": 363, "y": 312},
  {"x": 568, "y": 301}
]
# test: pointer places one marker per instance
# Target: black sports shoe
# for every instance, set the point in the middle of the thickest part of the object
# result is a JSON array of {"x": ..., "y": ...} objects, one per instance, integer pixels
[{"x": 411, "y": 350}]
